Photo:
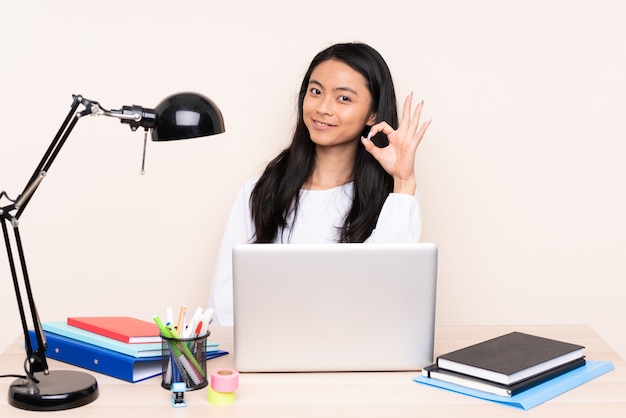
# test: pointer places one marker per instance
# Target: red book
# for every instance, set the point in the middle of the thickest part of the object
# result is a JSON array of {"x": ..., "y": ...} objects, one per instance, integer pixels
[{"x": 122, "y": 328}]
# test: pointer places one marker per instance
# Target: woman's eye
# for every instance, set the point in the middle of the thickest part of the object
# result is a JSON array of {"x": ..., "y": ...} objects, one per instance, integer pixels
[
  {"x": 344, "y": 99},
  {"x": 315, "y": 91}
]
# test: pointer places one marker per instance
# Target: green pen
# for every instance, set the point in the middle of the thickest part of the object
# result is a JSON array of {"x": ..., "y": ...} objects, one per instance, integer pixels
[{"x": 188, "y": 354}]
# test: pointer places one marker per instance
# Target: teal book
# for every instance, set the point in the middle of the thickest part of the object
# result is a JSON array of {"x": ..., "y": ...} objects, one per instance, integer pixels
[
  {"x": 536, "y": 395},
  {"x": 134, "y": 350}
]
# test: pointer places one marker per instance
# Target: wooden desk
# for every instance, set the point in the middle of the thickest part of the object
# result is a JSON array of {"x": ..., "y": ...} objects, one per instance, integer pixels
[{"x": 360, "y": 395}]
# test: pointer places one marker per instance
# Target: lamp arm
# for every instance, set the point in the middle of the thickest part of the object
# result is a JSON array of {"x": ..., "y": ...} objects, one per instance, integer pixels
[
  {"x": 135, "y": 116},
  {"x": 35, "y": 362},
  {"x": 48, "y": 158},
  {"x": 10, "y": 213},
  {"x": 35, "y": 358}
]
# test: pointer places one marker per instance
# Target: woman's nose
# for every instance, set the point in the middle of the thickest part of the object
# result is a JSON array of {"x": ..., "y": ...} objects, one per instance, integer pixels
[{"x": 325, "y": 106}]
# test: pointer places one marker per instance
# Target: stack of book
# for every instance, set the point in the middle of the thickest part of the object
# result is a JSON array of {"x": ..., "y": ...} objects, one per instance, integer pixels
[
  {"x": 123, "y": 347},
  {"x": 508, "y": 364},
  {"x": 516, "y": 369}
]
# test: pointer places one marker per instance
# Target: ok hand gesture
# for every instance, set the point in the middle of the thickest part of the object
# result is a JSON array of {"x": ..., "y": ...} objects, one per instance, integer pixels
[{"x": 398, "y": 158}]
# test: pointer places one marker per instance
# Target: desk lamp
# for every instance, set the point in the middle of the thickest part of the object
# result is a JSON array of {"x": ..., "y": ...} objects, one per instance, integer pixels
[{"x": 179, "y": 116}]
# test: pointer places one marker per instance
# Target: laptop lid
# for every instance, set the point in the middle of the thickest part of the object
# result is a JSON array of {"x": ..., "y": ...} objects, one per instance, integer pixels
[{"x": 334, "y": 307}]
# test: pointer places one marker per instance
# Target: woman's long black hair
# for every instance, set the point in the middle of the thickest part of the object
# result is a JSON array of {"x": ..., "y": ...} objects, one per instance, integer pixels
[{"x": 276, "y": 194}]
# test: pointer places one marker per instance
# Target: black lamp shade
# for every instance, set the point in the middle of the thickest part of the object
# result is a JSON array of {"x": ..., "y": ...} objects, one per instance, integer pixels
[{"x": 186, "y": 115}]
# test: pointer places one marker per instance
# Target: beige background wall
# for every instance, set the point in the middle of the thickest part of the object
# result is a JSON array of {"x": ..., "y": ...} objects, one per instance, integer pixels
[{"x": 522, "y": 171}]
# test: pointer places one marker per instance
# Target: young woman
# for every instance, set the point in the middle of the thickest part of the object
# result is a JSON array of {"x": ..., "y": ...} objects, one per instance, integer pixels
[{"x": 348, "y": 175}]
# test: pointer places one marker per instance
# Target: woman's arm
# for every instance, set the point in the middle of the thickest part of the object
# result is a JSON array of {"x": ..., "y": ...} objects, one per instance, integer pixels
[
  {"x": 238, "y": 230},
  {"x": 400, "y": 220}
]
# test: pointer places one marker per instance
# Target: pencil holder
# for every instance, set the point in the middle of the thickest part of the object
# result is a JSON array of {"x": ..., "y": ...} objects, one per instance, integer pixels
[{"x": 184, "y": 360}]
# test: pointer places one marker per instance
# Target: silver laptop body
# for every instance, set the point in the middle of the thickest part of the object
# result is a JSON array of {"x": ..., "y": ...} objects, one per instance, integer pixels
[{"x": 334, "y": 307}]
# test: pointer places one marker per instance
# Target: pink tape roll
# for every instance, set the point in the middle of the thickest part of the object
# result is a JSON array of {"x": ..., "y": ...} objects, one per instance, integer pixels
[{"x": 224, "y": 380}]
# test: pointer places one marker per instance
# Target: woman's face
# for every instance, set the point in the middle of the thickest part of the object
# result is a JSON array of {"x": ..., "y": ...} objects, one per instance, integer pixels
[{"x": 336, "y": 105}]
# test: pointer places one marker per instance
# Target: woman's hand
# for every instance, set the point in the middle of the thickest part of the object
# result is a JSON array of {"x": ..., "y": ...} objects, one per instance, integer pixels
[{"x": 398, "y": 158}]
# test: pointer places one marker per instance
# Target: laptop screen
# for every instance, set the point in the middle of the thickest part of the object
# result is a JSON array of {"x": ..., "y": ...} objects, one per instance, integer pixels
[{"x": 334, "y": 307}]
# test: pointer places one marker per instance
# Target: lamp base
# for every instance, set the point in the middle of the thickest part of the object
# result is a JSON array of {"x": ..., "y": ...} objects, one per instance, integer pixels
[{"x": 58, "y": 390}]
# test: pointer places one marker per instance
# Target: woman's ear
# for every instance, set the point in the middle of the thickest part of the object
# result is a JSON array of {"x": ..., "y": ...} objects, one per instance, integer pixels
[{"x": 372, "y": 119}]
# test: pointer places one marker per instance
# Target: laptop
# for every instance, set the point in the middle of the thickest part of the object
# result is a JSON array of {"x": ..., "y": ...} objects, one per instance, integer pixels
[{"x": 334, "y": 307}]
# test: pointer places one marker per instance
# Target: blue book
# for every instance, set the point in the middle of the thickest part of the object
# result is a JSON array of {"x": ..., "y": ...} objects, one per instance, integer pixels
[
  {"x": 535, "y": 395},
  {"x": 135, "y": 350},
  {"x": 101, "y": 360}
]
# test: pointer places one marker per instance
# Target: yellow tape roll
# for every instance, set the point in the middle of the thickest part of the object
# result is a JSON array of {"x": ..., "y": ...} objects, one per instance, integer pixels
[{"x": 220, "y": 398}]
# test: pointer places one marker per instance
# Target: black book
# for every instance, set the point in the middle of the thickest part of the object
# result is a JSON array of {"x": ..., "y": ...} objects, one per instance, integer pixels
[
  {"x": 510, "y": 358},
  {"x": 435, "y": 372}
]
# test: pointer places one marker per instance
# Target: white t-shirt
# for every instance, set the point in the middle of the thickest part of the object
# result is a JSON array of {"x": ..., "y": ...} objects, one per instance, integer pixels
[{"x": 320, "y": 214}]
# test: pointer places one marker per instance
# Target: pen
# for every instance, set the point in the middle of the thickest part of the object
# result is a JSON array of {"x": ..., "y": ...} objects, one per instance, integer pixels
[
  {"x": 206, "y": 320},
  {"x": 193, "y": 323},
  {"x": 164, "y": 330},
  {"x": 198, "y": 329},
  {"x": 181, "y": 317}
]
